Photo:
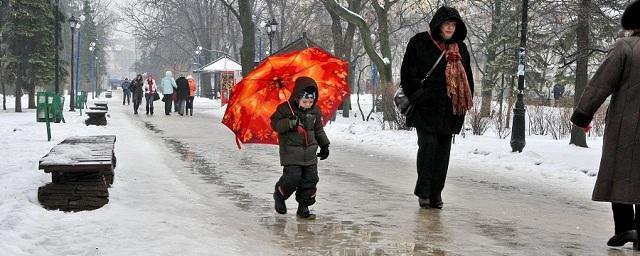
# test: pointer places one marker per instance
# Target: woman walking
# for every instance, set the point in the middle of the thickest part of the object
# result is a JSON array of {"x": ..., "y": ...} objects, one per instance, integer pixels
[
  {"x": 436, "y": 72},
  {"x": 150, "y": 90},
  {"x": 192, "y": 94},
  {"x": 618, "y": 179},
  {"x": 136, "y": 89}
]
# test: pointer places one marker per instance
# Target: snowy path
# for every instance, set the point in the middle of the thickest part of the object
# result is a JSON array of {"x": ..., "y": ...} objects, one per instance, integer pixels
[{"x": 365, "y": 202}]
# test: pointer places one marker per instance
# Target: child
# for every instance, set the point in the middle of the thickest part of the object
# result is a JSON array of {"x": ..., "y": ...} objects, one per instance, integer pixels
[{"x": 298, "y": 123}]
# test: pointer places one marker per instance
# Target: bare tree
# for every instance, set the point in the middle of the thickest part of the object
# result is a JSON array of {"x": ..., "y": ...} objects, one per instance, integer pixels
[
  {"x": 578, "y": 136},
  {"x": 343, "y": 42},
  {"x": 382, "y": 60},
  {"x": 244, "y": 15}
]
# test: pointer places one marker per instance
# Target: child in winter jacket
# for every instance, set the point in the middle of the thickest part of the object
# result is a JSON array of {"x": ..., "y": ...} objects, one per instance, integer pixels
[{"x": 298, "y": 123}]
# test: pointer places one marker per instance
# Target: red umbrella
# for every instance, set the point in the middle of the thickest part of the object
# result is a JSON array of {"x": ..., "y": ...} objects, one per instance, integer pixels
[{"x": 255, "y": 98}]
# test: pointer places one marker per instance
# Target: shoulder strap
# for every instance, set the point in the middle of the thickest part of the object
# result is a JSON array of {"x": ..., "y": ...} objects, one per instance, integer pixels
[
  {"x": 432, "y": 68},
  {"x": 420, "y": 90}
]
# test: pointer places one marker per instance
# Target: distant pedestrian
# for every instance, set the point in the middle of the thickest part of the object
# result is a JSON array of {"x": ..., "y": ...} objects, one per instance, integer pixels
[
  {"x": 168, "y": 88},
  {"x": 618, "y": 179},
  {"x": 192, "y": 94},
  {"x": 126, "y": 91},
  {"x": 298, "y": 123},
  {"x": 441, "y": 99},
  {"x": 136, "y": 89},
  {"x": 182, "y": 93},
  {"x": 150, "y": 90}
]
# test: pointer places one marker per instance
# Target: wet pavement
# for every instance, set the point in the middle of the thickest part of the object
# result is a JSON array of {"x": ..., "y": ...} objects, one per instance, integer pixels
[{"x": 365, "y": 204}]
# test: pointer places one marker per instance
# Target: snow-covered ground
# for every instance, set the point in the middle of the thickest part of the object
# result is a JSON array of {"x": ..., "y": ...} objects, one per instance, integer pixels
[
  {"x": 149, "y": 211},
  {"x": 148, "y": 204}
]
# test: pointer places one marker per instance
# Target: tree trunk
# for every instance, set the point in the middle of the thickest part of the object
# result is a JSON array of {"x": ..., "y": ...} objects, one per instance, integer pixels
[
  {"x": 386, "y": 74},
  {"x": 489, "y": 76},
  {"x": 510, "y": 101},
  {"x": 338, "y": 46},
  {"x": 247, "y": 50},
  {"x": 4, "y": 91},
  {"x": 384, "y": 69},
  {"x": 3, "y": 11},
  {"x": 578, "y": 136},
  {"x": 343, "y": 44},
  {"x": 32, "y": 97},
  {"x": 18, "y": 94}
]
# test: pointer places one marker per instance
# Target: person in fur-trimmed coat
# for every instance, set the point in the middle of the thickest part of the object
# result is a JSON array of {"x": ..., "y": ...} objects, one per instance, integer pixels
[
  {"x": 446, "y": 96},
  {"x": 298, "y": 123},
  {"x": 618, "y": 179}
]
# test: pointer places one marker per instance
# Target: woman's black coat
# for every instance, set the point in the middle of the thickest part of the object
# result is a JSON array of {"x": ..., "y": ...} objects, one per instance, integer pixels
[{"x": 433, "y": 112}]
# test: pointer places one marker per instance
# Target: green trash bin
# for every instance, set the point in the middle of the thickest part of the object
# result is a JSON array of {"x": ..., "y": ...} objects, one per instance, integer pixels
[
  {"x": 84, "y": 96},
  {"x": 45, "y": 105},
  {"x": 58, "y": 105},
  {"x": 81, "y": 100}
]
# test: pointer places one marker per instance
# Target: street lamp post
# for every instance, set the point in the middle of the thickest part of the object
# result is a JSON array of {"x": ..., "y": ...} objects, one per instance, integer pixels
[
  {"x": 198, "y": 52},
  {"x": 272, "y": 29},
  {"x": 57, "y": 46},
  {"x": 78, "y": 53},
  {"x": 72, "y": 23},
  {"x": 96, "y": 62},
  {"x": 517, "y": 135},
  {"x": 92, "y": 48}
]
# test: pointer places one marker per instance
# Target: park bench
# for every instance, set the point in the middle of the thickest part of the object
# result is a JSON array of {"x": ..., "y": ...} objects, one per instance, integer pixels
[
  {"x": 81, "y": 170},
  {"x": 96, "y": 117},
  {"x": 107, "y": 94}
]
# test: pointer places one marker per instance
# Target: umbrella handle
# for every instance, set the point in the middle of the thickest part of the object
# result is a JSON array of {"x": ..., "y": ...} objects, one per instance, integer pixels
[
  {"x": 238, "y": 143},
  {"x": 293, "y": 113}
]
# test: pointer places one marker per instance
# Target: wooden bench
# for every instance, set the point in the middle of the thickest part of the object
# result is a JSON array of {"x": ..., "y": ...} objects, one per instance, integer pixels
[
  {"x": 96, "y": 117},
  {"x": 81, "y": 170},
  {"x": 107, "y": 94}
]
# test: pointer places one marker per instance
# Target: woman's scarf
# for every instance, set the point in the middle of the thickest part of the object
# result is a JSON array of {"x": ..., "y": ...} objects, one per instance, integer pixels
[{"x": 457, "y": 84}]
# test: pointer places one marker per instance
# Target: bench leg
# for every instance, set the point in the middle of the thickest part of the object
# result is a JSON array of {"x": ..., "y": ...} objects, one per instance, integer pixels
[{"x": 79, "y": 192}]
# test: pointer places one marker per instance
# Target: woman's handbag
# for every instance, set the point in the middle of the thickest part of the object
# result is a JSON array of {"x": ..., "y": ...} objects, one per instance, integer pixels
[
  {"x": 156, "y": 96},
  {"x": 406, "y": 104}
]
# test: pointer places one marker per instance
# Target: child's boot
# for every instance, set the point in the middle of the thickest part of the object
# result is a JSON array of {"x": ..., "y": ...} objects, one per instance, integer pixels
[
  {"x": 304, "y": 213},
  {"x": 279, "y": 199}
]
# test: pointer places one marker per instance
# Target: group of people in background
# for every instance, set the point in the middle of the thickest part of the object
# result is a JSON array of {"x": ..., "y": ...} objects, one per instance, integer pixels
[{"x": 178, "y": 92}]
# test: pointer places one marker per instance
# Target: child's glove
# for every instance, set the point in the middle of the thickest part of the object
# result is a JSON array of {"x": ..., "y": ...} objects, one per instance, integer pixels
[
  {"x": 293, "y": 122},
  {"x": 301, "y": 118},
  {"x": 324, "y": 153}
]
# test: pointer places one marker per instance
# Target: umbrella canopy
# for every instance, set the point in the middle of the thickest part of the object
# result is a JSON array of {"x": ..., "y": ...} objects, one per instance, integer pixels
[{"x": 255, "y": 98}]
